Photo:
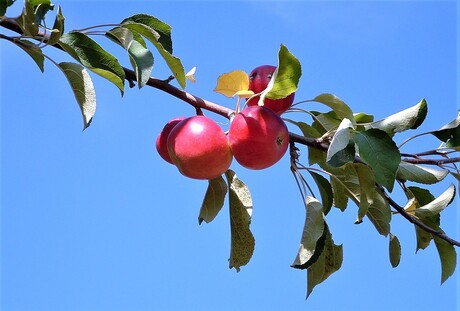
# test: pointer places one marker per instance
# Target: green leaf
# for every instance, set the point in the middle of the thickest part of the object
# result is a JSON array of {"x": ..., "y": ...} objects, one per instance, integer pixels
[
  {"x": 58, "y": 28},
  {"x": 213, "y": 200},
  {"x": 447, "y": 255},
  {"x": 423, "y": 197},
  {"x": 410, "y": 118},
  {"x": 394, "y": 250},
  {"x": 340, "y": 108},
  {"x": 26, "y": 20},
  {"x": 420, "y": 174},
  {"x": 362, "y": 117},
  {"x": 83, "y": 89},
  {"x": 312, "y": 242},
  {"x": 340, "y": 198},
  {"x": 325, "y": 190},
  {"x": 378, "y": 150},
  {"x": 437, "y": 205},
  {"x": 325, "y": 122},
  {"x": 329, "y": 261},
  {"x": 286, "y": 77},
  {"x": 38, "y": 2},
  {"x": 154, "y": 37},
  {"x": 379, "y": 213},
  {"x": 367, "y": 190},
  {"x": 140, "y": 57},
  {"x": 91, "y": 55},
  {"x": 242, "y": 240},
  {"x": 41, "y": 10},
  {"x": 314, "y": 155},
  {"x": 342, "y": 145},
  {"x": 450, "y": 133},
  {"x": 34, "y": 52},
  {"x": 5, "y": 4}
]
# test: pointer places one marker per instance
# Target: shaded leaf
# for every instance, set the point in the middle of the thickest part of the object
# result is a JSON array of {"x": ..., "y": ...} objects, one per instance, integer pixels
[
  {"x": 437, "y": 205},
  {"x": 26, "y": 20},
  {"x": 58, "y": 28},
  {"x": 378, "y": 150},
  {"x": 450, "y": 133},
  {"x": 379, "y": 213},
  {"x": 4, "y": 4},
  {"x": 312, "y": 241},
  {"x": 410, "y": 118},
  {"x": 314, "y": 155},
  {"x": 447, "y": 255},
  {"x": 420, "y": 174},
  {"x": 242, "y": 240},
  {"x": 140, "y": 57},
  {"x": 422, "y": 197},
  {"x": 340, "y": 108},
  {"x": 41, "y": 10},
  {"x": 325, "y": 190},
  {"x": 329, "y": 261},
  {"x": 213, "y": 200},
  {"x": 340, "y": 141},
  {"x": 228, "y": 84},
  {"x": 394, "y": 250},
  {"x": 286, "y": 77},
  {"x": 83, "y": 89},
  {"x": 91, "y": 55},
  {"x": 367, "y": 190},
  {"x": 339, "y": 194},
  {"x": 34, "y": 52}
]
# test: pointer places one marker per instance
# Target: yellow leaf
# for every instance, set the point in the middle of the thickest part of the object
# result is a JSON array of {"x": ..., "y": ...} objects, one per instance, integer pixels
[
  {"x": 411, "y": 206},
  {"x": 229, "y": 84},
  {"x": 191, "y": 75},
  {"x": 244, "y": 94}
]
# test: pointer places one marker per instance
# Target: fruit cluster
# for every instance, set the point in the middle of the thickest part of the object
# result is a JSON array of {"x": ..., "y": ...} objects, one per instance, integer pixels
[{"x": 257, "y": 137}]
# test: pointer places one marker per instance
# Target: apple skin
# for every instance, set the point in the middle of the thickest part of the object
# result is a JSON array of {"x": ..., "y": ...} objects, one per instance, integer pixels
[
  {"x": 258, "y": 137},
  {"x": 258, "y": 81},
  {"x": 162, "y": 139},
  {"x": 199, "y": 148}
]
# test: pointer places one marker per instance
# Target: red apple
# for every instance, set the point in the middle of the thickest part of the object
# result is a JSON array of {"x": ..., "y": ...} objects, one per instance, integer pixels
[
  {"x": 199, "y": 148},
  {"x": 162, "y": 138},
  {"x": 258, "y": 81},
  {"x": 258, "y": 137}
]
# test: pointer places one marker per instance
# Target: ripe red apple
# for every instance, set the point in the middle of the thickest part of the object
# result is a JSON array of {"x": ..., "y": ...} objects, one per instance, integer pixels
[
  {"x": 199, "y": 148},
  {"x": 258, "y": 81},
  {"x": 258, "y": 137},
  {"x": 162, "y": 138}
]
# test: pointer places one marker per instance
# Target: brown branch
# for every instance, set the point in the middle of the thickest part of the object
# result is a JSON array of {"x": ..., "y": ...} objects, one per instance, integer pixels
[{"x": 198, "y": 103}]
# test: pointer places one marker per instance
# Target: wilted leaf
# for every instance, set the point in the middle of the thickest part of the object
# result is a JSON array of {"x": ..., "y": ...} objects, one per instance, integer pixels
[
  {"x": 213, "y": 200},
  {"x": 394, "y": 250},
  {"x": 312, "y": 242},
  {"x": 140, "y": 57},
  {"x": 450, "y": 133},
  {"x": 230, "y": 83},
  {"x": 91, "y": 55},
  {"x": 378, "y": 150},
  {"x": 410, "y": 118},
  {"x": 34, "y": 52},
  {"x": 420, "y": 174},
  {"x": 328, "y": 262},
  {"x": 242, "y": 240},
  {"x": 340, "y": 108},
  {"x": 437, "y": 205},
  {"x": 83, "y": 89}
]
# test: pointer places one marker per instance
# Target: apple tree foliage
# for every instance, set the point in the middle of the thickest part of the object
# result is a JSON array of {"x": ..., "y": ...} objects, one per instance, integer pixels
[{"x": 351, "y": 157}]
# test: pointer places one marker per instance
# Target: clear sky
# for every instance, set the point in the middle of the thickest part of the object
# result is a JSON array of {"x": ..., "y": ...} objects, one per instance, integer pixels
[{"x": 95, "y": 220}]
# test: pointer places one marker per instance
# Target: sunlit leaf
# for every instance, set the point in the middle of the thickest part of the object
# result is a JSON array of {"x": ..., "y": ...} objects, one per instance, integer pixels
[
  {"x": 362, "y": 117},
  {"x": 342, "y": 139},
  {"x": 242, "y": 240},
  {"x": 313, "y": 235},
  {"x": 140, "y": 57},
  {"x": 83, "y": 89},
  {"x": 437, "y": 205},
  {"x": 418, "y": 197},
  {"x": 190, "y": 75},
  {"x": 394, "y": 250},
  {"x": 229, "y": 84},
  {"x": 420, "y": 174},
  {"x": 450, "y": 133},
  {"x": 329, "y": 261},
  {"x": 326, "y": 122},
  {"x": 340, "y": 108},
  {"x": 91, "y": 55},
  {"x": 214, "y": 200},
  {"x": 410, "y": 118},
  {"x": 378, "y": 150},
  {"x": 286, "y": 77}
]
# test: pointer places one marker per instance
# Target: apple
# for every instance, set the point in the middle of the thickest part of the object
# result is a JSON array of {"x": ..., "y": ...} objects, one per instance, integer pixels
[
  {"x": 258, "y": 137},
  {"x": 258, "y": 81},
  {"x": 199, "y": 148},
  {"x": 162, "y": 138}
]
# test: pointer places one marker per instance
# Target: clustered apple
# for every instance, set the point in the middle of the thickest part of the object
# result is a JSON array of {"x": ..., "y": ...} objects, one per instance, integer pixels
[
  {"x": 257, "y": 137},
  {"x": 258, "y": 81}
]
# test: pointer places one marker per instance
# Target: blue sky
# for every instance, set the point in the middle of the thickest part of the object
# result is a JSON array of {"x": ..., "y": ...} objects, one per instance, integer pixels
[{"x": 95, "y": 220}]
